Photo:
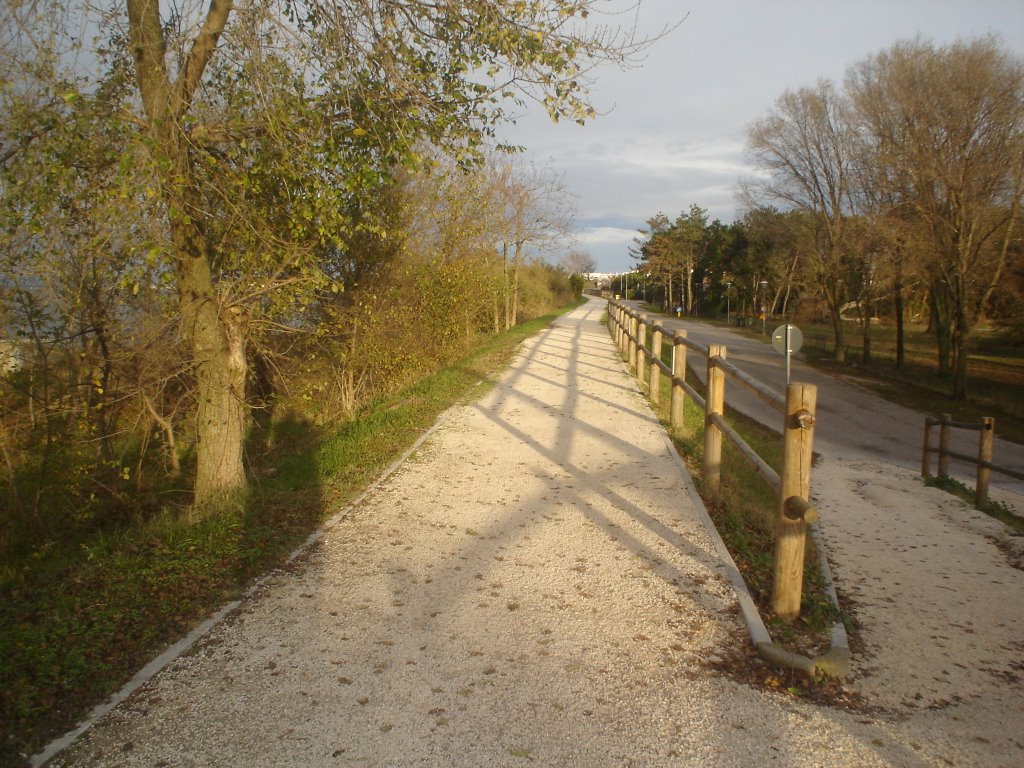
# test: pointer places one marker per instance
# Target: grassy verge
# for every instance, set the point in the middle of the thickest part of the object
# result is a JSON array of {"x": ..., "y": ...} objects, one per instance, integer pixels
[
  {"x": 745, "y": 518},
  {"x": 991, "y": 508},
  {"x": 75, "y": 624},
  {"x": 995, "y": 373}
]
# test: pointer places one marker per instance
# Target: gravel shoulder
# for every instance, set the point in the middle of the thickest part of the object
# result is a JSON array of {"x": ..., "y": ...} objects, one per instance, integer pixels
[{"x": 535, "y": 586}]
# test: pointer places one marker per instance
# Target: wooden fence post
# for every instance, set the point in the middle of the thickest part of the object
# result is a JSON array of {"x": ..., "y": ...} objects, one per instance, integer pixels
[
  {"x": 926, "y": 459},
  {"x": 944, "y": 430},
  {"x": 627, "y": 325},
  {"x": 988, "y": 431},
  {"x": 795, "y": 481},
  {"x": 678, "y": 372},
  {"x": 654, "y": 379},
  {"x": 633, "y": 324},
  {"x": 714, "y": 405},
  {"x": 641, "y": 349}
]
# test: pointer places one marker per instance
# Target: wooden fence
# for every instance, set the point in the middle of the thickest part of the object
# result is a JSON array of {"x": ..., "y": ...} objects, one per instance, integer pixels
[
  {"x": 794, "y": 511},
  {"x": 983, "y": 461}
]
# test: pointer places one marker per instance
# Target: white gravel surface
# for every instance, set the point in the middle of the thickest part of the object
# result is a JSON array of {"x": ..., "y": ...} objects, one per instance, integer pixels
[{"x": 535, "y": 587}]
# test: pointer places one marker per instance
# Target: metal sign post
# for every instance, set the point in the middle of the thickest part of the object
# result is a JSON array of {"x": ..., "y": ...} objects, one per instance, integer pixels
[{"x": 787, "y": 339}]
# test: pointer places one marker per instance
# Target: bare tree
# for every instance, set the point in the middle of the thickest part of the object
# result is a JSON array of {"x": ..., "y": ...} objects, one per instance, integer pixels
[
  {"x": 577, "y": 262},
  {"x": 947, "y": 128},
  {"x": 806, "y": 147},
  {"x": 538, "y": 214}
]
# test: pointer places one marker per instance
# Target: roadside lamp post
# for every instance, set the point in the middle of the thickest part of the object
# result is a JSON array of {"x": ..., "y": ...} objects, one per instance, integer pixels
[
  {"x": 764, "y": 306},
  {"x": 728, "y": 288}
]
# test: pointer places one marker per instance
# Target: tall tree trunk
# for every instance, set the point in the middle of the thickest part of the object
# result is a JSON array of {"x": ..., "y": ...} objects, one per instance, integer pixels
[
  {"x": 506, "y": 286},
  {"x": 941, "y": 326},
  {"x": 839, "y": 333},
  {"x": 221, "y": 416},
  {"x": 961, "y": 332},
  {"x": 689, "y": 286},
  {"x": 834, "y": 300},
  {"x": 516, "y": 265},
  {"x": 218, "y": 339},
  {"x": 898, "y": 310},
  {"x": 215, "y": 330},
  {"x": 865, "y": 333}
]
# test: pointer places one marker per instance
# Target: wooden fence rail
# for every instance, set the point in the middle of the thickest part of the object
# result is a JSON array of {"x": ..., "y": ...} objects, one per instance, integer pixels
[
  {"x": 794, "y": 510},
  {"x": 983, "y": 460}
]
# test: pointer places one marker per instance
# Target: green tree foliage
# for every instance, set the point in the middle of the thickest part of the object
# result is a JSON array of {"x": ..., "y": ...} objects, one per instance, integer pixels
[{"x": 244, "y": 151}]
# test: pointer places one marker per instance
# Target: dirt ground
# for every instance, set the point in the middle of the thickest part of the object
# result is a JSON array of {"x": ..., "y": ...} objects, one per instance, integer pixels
[{"x": 535, "y": 586}]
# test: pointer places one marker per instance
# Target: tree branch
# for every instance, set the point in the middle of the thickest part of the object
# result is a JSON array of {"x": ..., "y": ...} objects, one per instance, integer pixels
[{"x": 199, "y": 56}]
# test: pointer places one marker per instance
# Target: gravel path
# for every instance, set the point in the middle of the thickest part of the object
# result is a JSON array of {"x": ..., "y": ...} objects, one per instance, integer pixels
[{"x": 535, "y": 586}]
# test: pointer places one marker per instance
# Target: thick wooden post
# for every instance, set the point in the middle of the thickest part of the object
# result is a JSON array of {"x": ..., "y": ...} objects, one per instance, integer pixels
[
  {"x": 795, "y": 481},
  {"x": 641, "y": 349},
  {"x": 678, "y": 372},
  {"x": 988, "y": 433},
  {"x": 926, "y": 451},
  {"x": 618, "y": 327},
  {"x": 654, "y": 379},
  {"x": 714, "y": 405},
  {"x": 944, "y": 430}
]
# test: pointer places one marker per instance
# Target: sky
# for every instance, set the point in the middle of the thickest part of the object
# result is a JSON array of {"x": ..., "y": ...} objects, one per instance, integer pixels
[{"x": 672, "y": 131}]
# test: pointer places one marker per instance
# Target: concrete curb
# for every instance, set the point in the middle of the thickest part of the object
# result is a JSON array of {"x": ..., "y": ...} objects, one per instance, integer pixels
[{"x": 169, "y": 655}]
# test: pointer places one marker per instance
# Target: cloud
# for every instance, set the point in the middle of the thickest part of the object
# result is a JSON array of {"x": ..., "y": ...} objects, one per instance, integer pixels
[
  {"x": 671, "y": 132},
  {"x": 606, "y": 236}
]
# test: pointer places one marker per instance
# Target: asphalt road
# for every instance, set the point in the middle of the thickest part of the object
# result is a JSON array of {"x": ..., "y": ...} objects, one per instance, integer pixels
[{"x": 852, "y": 422}]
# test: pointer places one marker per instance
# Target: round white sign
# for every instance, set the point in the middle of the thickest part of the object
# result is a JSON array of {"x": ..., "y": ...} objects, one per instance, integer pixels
[{"x": 796, "y": 339}]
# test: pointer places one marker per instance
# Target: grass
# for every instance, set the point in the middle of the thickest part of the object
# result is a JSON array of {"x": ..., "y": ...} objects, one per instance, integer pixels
[
  {"x": 80, "y": 619},
  {"x": 994, "y": 382},
  {"x": 991, "y": 508}
]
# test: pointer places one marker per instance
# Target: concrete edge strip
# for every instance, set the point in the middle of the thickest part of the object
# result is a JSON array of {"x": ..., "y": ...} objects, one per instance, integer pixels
[
  {"x": 836, "y": 661},
  {"x": 170, "y": 654},
  {"x": 839, "y": 639}
]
